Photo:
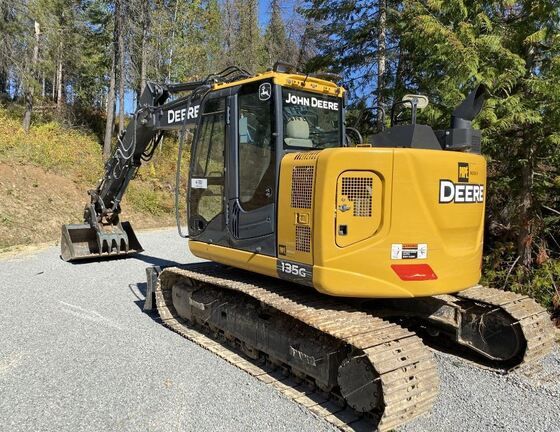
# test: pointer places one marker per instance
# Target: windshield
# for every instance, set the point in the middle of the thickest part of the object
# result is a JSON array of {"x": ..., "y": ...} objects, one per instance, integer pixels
[{"x": 311, "y": 120}]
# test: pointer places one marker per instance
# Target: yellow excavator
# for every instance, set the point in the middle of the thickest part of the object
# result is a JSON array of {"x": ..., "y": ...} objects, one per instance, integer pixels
[{"x": 327, "y": 255}]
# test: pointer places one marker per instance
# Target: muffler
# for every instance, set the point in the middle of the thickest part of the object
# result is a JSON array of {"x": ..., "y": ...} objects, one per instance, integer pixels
[{"x": 82, "y": 241}]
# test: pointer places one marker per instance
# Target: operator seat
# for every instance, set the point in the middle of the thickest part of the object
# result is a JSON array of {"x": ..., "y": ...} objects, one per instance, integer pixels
[{"x": 297, "y": 133}]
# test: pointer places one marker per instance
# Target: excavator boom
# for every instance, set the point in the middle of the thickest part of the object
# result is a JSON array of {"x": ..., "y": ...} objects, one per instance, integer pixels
[{"x": 103, "y": 234}]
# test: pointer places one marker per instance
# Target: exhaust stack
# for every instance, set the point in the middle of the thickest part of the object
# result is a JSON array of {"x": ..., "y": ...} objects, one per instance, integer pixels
[
  {"x": 461, "y": 136},
  {"x": 466, "y": 111}
]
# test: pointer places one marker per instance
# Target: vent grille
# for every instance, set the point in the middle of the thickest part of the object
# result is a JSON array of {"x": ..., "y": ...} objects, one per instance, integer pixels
[
  {"x": 302, "y": 186},
  {"x": 303, "y": 238},
  {"x": 310, "y": 155},
  {"x": 359, "y": 190}
]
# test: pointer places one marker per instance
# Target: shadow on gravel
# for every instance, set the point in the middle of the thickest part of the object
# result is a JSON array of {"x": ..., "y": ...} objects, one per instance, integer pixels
[
  {"x": 445, "y": 346},
  {"x": 141, "y": 288},
  {"x": 155, "y": 261},
  {"x": 148, "y": 259},
  {"x": 93, "y": 259}
]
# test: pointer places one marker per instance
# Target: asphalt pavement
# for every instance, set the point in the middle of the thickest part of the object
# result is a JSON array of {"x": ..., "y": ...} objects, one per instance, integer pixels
[{"x": 77, "y": 353}]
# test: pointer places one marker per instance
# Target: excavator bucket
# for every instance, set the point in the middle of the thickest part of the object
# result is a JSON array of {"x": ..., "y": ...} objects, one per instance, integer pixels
[{"x": 81, "y": 241}]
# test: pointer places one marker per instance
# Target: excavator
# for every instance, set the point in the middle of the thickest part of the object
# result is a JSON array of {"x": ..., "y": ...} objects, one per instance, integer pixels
[{"x": 326, "y": 256}]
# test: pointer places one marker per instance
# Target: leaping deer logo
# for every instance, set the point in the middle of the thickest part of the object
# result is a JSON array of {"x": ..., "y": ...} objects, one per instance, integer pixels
[{"x": 264, "y": 91}]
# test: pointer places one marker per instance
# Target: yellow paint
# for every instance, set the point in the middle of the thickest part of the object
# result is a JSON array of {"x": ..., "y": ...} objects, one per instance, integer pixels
[
  {"x": 410, "y": 213},
  {"x": 290, "y": 217},
  {"x": 405, "y": 188},
  {"x": 237, "y": 258},
  {"x": 357, "y": 217}
]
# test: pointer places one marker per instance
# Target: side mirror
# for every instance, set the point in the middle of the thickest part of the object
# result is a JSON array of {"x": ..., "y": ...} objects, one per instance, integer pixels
[{"x": 420, "y": 101}]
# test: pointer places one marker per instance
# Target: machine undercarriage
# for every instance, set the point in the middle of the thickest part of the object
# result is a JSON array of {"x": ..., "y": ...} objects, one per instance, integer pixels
[{"x": 347, "y": 361}]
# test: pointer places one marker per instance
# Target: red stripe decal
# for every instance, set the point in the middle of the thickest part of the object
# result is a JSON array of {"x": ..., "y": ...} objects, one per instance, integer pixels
[{"x": 414, "y": 272}]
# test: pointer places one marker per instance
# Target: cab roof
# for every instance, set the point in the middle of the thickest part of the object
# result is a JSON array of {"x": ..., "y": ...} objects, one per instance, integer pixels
[{"x": 292, "y": 80}]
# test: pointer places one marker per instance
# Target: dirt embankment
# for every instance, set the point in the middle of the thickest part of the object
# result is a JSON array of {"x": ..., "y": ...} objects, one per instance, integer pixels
[{"x": 34, "y": 204}]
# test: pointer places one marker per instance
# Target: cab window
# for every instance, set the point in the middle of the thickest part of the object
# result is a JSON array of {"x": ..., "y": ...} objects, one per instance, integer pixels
[{"x": 256, "y": 145}]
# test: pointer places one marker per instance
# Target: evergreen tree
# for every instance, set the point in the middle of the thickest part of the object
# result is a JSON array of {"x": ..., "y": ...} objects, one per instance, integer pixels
[
  {"x": 360, "y": 39},
  {"x": 513, "y": 49},
  {"x": 247, "y": 45},
  {"x": 275, "y": 40}
]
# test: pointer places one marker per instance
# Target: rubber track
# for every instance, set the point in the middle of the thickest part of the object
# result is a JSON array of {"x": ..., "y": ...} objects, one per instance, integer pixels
[
  {"x": 532, "y": 318},
  {"x": 407, "y": 369}
]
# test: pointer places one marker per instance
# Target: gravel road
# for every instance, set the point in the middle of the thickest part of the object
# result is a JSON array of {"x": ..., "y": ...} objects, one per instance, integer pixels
[{"x": 78, "y": 354}]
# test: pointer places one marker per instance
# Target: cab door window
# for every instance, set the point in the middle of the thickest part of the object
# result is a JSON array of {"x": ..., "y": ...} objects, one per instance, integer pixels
[
  {"x": 256, "y": 146},
  {"x": 207, "y": 167}
]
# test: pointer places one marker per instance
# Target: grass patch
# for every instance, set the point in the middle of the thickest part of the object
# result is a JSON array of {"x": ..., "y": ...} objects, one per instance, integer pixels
[
  {"x": 77, "y": 155},
  {"x": 64, "y": 151},
  {"x": 148, "y": 200}
]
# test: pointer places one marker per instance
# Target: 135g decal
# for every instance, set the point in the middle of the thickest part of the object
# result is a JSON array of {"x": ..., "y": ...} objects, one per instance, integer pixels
[
  {"x": 292, "y": 269},
  {"x": 296, "y": 272}
]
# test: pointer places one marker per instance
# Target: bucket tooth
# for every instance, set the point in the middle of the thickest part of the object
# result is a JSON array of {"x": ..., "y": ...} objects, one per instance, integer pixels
[{"x": 81, "y": 241}]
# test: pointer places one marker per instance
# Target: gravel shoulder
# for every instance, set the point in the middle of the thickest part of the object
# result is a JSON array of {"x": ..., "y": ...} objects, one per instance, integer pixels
[
  {"x": 78, "y": 354},
  {"x": 473, "y": 399}
]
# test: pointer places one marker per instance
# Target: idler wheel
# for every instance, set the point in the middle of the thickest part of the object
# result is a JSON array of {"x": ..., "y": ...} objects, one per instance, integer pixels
[
  {"x": 492, "y": 333},
  {"x": 360, "y": 384}
]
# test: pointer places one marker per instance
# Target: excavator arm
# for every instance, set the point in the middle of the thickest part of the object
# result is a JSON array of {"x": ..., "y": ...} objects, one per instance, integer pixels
[{"x": 102, "y": 232}]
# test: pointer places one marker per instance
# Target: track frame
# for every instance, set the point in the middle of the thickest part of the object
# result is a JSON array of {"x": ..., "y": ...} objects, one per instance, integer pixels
[{"x": 405, "y": 368}]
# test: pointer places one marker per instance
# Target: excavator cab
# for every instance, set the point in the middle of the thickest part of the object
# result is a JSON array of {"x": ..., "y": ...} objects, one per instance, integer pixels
[{"x": 243, "y": 133}]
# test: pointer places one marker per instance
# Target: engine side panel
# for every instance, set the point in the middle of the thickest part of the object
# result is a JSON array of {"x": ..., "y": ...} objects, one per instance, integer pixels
[
  {"x": 296, "y": 210},
  {"x": 426, "y": 242}
]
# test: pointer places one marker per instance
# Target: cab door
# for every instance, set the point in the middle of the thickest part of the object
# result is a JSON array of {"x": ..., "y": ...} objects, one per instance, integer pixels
[
  {"x": 207, "y": 180},
  {"x": 252, "y": 175}
]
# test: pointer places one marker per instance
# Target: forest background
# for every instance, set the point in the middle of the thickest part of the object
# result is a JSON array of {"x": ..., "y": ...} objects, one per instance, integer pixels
[{"x": 72, "y": 70}]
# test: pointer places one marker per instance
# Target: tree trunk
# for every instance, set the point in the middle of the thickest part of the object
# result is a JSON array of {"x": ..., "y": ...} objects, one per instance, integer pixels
[
  {"x": 111, "y": 95},
  {"x": 31, "y": 81},
  {"x": 3, "y": 80},
  {"x": 301, "y": 59},
  {"x": 172, "y": 43},
  {"x": 525, "y": 235},
  {"x": 399, "y": 84},
  {"x": 381, "y": 55},
  {"x": 59, "y": 91},
  {"x": 28, "y": 97},
  {"x": 143, "y": 46},
  {"x": 122, "y": 72},
  {"x": 53, "y": 89},
  {"x": 229, "y": 32}
]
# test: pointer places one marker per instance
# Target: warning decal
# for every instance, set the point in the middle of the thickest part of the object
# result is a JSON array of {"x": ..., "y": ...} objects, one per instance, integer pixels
[{"x": 409, "y": 251}]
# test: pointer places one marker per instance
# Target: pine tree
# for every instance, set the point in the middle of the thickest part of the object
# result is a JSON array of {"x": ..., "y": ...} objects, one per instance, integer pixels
[
  {"x": 275, "y": 39},
  {"x": 247, "y": 45},
  {"x": 514, "y": 52},
  {"x": 359, "y": 38}
]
